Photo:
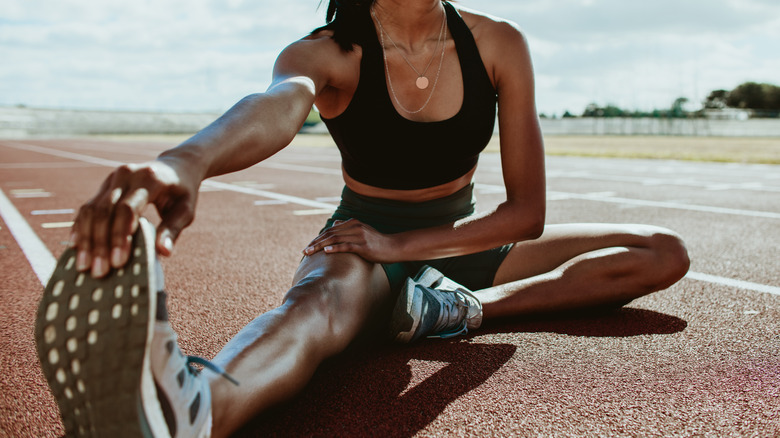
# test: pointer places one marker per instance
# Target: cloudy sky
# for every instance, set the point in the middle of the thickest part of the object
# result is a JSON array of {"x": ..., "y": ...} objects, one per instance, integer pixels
[{"x": 203, "y": 55}]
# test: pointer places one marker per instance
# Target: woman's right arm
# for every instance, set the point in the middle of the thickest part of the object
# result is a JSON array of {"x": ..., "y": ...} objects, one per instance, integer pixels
[{"x": 254, "y": 129}]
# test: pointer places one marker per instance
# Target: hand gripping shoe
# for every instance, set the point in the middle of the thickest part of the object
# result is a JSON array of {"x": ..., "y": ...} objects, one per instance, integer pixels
[{"x": 97, "y": 340}]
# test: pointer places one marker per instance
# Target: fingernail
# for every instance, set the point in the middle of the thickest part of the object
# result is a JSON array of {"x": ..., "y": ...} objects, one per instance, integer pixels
[
  {"x": 72, "y": 240},
  {"x": 168, "y": 243},
  {"x": 116, "y": 257},
  {"x": 328, "y": 249},
  {"x": 99, "y": 267},
  {"x": 82, "y": 261}
]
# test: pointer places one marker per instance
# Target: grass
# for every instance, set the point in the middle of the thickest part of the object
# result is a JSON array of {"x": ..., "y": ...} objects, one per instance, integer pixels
[{"x": 718, "y": 149}]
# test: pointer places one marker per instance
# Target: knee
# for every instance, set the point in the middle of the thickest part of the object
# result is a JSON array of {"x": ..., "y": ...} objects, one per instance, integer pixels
[
  {"x": 671, "y": 255},
  {"x": 319, "y": 304}
]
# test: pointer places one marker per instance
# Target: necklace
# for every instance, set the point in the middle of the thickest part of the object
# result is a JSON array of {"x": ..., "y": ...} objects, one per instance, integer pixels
[{"x": 422, "y": 81}]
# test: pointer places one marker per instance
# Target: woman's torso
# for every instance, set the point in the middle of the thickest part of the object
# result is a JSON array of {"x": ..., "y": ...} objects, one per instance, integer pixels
[{"x": 393, "y": 154}]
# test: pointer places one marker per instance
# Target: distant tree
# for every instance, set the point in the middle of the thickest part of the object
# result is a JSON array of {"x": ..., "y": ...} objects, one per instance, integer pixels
[
  {"x": 752, "y": 95},
  {"x": 678, "y": 109},
  {"x": 567, "y": 115},
  {"x": 592, "y": 110},
  {"x": 717, "y": 99}
]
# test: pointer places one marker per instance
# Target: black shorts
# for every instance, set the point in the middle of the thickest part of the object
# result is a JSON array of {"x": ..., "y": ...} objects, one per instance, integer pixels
[{"x": 475, "y": 271}]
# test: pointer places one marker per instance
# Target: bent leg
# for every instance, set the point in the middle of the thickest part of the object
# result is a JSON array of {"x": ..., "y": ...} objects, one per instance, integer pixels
[
  {"x": 334, "y": 298},
  {"x": 583, "y": 266}
]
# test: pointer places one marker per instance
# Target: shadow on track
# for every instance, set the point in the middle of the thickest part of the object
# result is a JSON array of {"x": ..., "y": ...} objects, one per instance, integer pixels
[
  {"x": 622, "y": 322},
  {"x": 372, "y": 391},
  {"x": 365, "y": 392}
]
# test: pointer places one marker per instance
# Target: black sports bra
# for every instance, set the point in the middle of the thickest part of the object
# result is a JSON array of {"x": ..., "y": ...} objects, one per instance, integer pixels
[{"x": 381, "y": 148}]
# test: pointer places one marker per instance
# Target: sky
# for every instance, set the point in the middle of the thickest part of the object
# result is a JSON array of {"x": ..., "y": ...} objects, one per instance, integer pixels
[{"x": 204, "y": 55}]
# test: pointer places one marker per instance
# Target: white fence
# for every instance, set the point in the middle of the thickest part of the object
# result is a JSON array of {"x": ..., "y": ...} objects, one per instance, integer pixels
[
  {"x": 33, "y": 122},
  {"x": 659, "y": 126}
]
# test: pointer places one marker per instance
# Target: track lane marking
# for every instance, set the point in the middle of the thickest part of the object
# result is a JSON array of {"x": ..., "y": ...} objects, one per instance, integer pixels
[
  {"x": 730, "y": 282},
  {"x": 39, "y": 257},
  {"x": 49, "y": 263}
]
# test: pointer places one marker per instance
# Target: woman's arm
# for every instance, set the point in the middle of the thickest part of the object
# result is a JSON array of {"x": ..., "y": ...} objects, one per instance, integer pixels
[
  {"x": 254, "y": 129},
  {"x": 520, "y": 217}
]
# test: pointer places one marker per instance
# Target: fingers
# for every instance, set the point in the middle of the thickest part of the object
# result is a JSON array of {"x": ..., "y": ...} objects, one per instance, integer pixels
[
  {"x": 343, "y": 236},
  {"x": 176, "y": 216},
  {"x": 104, "y": 226},
  {"x": 127, "y": 210}
]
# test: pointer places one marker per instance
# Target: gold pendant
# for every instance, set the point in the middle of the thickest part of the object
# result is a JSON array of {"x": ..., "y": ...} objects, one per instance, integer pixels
[{"x": 422, "y": 82}]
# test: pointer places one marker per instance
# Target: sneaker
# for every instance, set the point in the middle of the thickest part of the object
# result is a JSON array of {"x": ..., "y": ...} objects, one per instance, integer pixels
[
  {"x": 97, "y": 339},
  {"x": 179, "y": 384},
  {"x": 432, "y": 305}
]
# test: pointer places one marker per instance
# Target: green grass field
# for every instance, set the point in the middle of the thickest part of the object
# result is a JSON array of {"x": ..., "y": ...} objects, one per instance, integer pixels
[{"x": 720, "y": 149}]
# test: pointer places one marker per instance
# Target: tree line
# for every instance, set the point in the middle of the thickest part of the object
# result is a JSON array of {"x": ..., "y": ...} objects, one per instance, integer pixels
[{"x": 761, "y": 99}]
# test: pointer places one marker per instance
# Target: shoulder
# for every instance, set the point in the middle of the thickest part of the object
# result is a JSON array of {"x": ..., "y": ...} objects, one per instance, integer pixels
[
  {"x": 501, "y": 43},
  {"x": 316, "y": 56},
  {"x": 490, "y": 28}
]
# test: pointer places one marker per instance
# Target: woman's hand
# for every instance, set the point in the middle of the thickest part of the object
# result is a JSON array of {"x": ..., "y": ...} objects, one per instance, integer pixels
[
  {"x": 356, "y": 237},
  {"x": 103, "y": 229}
]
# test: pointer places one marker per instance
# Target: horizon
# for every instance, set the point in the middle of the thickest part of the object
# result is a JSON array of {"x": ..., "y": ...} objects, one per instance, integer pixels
[{"x": 173, "y": 56}]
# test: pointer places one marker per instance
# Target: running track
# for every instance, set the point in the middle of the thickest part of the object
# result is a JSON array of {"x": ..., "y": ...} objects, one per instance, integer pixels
[{"x": 699, "y": 359}]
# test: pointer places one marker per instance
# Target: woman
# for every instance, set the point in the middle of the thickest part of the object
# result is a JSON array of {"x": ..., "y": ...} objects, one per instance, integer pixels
[{"x": 429, "y": 77}]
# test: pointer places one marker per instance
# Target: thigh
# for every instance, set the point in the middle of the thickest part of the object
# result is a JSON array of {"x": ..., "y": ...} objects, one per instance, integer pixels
[{"x": 561, "y": 243}]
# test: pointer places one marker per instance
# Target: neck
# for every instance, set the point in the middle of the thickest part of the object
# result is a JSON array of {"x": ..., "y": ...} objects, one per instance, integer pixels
[{"x": 411, "y": 22}]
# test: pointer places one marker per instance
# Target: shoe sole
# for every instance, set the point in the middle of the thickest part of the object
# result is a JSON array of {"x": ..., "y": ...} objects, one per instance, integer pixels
[
  {"x": 406, "y": 314},
  {"x": 93, "y": 338},
  {"x": 428, "y": 276}
]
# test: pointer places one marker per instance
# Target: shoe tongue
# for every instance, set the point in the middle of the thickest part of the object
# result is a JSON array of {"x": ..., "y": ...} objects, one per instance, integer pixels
[{"x": 162, "y": 309}]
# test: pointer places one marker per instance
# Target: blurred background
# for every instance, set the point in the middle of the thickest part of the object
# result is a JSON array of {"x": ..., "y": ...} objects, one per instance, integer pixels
[{"x": 171, "y": 66}]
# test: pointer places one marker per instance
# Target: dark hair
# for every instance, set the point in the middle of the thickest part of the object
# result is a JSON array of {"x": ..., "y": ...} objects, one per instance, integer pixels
[{"x": 344, "y": 18}]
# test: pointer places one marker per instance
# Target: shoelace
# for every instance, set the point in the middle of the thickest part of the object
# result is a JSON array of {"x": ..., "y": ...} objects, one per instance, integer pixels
[
  {"x": 215, "y": 368},
  {"x": 452, "y": 314}
]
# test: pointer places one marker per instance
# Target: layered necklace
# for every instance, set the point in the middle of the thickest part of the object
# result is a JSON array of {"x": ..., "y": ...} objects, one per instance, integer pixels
[{"x": 422, "y": 81}]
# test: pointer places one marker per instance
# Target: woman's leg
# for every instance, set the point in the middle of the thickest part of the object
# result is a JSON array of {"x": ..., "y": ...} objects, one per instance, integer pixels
[
  {"x": 334, "y": 297},
  {"x": 583, "y": 266}
]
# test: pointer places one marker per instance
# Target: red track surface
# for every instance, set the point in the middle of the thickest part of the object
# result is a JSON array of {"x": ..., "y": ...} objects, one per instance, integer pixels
[{"x": 699, "y": 359}]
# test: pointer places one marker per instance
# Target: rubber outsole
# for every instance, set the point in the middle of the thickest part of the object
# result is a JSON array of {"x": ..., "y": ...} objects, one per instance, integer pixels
[{"x": 93, "y": 337}]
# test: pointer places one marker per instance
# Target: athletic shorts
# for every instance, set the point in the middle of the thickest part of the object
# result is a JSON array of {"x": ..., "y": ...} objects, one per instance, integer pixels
[{"x": 475, "y": 271}]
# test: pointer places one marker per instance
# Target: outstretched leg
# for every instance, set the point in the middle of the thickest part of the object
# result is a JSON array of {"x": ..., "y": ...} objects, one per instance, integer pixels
[
  {"x": 584, "y": 266},
  {"x": 334, "y": 297}
]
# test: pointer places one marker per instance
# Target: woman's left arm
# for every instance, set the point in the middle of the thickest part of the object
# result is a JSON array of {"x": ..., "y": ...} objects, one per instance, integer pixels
[{"x": 520, "y": 217}]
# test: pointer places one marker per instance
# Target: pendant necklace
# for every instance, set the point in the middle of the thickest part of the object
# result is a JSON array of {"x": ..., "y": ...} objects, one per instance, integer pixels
[{"x": 422, "y": 81}]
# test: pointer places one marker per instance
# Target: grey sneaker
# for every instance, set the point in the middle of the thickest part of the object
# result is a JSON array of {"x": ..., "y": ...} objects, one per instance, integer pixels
[
  {"x": 97, "y": 341},
  {"x": 432, "y": 305}
]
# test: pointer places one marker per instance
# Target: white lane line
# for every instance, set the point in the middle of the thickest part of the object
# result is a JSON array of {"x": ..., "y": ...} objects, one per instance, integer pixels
[
  {"x": 606, "y": 197},
  {"x": 43, "y": 262},
  {"x": 57, "y": 165},
  {"x": 662, "y": 181},
  {"x": 52, "y": 212},
  {"x": 739, "y": 284},
  {"x": 490, "y": 187},
  {"x": 57, "y": 225},
  {"x": 270, "y": 202},
  {"x": 39, "y": 257},
  {"x": 300, "y": 168},
  {"x": 63, "y": 154},
  {"x": 672, "y": 205},
  {"x": 267, "y": 194},
  {"x": 316, "y": 211}
]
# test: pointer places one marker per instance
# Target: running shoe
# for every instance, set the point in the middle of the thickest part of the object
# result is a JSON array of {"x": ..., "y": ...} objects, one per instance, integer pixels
[
  {"x": 433, "y": 305},
  {"x": 100, "y": 345}
]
